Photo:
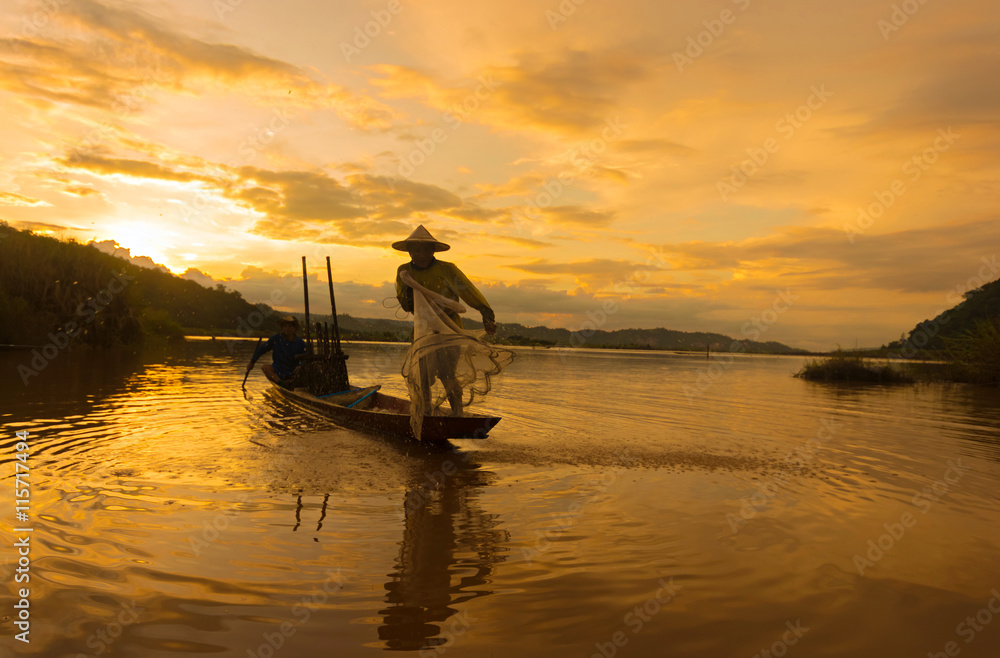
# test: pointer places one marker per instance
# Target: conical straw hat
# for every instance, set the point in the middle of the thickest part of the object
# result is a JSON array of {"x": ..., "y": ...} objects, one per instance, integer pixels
[{"x": 420, "y": 235}]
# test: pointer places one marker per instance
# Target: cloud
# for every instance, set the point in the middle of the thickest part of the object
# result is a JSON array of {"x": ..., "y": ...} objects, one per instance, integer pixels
[
  {"x": 578, "y": 215},
  {"x": 910, "y": 261},
  {"x": 531, "y": 243},
  {"x": 122, "y": 55},
  {"x": 595, "y": 273},
  {"x": 948, "y": 89},
  {"x": 15, "y": 199},
  {"x": 529, "y": 303},
  {"x": 359, "y": 209},
  {"x": 80, "y": 190},
  {"x": 284, "y": 292},
  {"x": 656, "y": 146},
  {"x": 112, "y": 247},
  {"x": 573, "y": 92},
  {"x": 97, "y": 164}
]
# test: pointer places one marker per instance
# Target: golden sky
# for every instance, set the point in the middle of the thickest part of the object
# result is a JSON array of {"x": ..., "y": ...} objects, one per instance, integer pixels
[{"x": 693, "y": 165}]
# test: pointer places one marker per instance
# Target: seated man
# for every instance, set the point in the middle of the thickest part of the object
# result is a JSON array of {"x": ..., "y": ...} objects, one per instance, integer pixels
[
  {"x": 447, "y": 280},
  {"x": 288, "y": 349}
]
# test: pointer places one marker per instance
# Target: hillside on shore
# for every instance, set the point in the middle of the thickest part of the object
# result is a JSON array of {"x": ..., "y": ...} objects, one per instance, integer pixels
[
  {"x": 973, "y": 308},
  {"x": 56, "y": 292}
]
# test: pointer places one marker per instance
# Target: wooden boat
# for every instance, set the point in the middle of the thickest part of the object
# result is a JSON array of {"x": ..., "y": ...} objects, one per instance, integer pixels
[
  {"x": 372, "y": 411},
  {"x": 366, "y": 408}
]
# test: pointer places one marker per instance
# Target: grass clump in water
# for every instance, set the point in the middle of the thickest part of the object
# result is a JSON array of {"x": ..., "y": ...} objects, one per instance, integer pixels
[{"x": 845, "y": 367}]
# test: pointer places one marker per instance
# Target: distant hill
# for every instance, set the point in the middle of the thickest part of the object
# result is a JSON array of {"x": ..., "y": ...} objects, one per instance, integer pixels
[
  {"x": 352, "y": 328},
  {"x": 54, "y": 292},
  {"x": 652, "y": 339},
  {"x": 980, "y": 304}
]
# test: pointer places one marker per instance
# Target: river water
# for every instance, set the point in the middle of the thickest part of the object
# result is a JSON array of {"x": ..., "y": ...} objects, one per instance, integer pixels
[{"x": 629, "y": 504}]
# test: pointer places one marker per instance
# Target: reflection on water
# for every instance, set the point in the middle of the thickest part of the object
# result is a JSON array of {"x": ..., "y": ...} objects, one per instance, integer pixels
[
  {"x": 446, "y": 558},
  {"x": 230, "y": 525}
]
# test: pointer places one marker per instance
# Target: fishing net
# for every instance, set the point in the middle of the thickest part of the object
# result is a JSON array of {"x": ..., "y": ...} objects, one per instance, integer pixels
[{"x": 445, "y": 363}]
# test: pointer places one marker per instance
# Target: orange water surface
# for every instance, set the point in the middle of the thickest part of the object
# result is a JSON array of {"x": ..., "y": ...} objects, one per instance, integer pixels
[{"x": 629, "y": 504}]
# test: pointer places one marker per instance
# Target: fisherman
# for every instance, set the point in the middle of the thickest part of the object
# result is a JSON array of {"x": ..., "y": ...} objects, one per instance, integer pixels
[
  {"x": 288, "y": 349},
  {"x": 447, "y": 280}
]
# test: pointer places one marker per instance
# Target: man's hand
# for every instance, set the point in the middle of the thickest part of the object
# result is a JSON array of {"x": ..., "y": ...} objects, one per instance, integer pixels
[{"x": 490, "y": 326}]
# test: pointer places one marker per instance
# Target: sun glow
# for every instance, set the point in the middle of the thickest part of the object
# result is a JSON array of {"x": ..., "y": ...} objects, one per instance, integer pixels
[{"x": 144, "y": 240}]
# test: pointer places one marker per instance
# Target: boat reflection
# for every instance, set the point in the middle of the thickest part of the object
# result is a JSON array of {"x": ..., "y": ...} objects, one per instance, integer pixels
[{"x": 446, "y": 558}]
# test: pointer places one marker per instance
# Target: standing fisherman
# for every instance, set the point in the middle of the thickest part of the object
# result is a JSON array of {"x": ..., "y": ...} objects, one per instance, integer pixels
[{"x": 447, "y": 280}]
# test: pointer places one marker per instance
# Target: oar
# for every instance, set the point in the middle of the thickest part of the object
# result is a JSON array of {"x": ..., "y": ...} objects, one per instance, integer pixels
[{"x": 244, "y": 387}]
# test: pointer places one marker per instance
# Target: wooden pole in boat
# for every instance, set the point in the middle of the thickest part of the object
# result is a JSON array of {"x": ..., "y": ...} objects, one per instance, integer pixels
[
  {"x": 338, "y": 360},
  {"x": 333, "y": 307},
  {"x": 305, "y": 290}
]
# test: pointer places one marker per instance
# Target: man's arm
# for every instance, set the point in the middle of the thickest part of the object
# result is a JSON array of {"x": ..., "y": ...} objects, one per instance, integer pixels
[
  {"x": 261, "y": 350},
  {"x": 404, "y": 293},
  {"x": 469, "y": 293}
]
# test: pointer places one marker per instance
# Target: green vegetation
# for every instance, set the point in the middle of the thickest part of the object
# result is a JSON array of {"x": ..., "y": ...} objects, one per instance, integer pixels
[
  {"x": 846, "y": 367},
  {"x": 932, "y": 338},
  {"x": 523, "y": 341},
  {"x": 57, "y": 291},
  {"x": 964, "y": 340},
  {"x": 975, "y": 354}
]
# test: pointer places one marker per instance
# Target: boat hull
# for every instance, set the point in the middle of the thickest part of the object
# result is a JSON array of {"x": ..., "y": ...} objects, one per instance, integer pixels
[{"x": 390, "y": 415}]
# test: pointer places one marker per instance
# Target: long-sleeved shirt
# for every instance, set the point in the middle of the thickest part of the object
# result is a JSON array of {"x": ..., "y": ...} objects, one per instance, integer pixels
[
  {"x": 285, "y": 351},
  {"x": 445, "y": 279}
]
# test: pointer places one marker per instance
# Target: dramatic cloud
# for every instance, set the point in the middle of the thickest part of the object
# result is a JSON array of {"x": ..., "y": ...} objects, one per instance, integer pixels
[
  {"x": 574, "y": 93},
  {"x": 15, "y": 199},
  {"x": 914, "y": 261},
  {"x": 129, "y": 54}
]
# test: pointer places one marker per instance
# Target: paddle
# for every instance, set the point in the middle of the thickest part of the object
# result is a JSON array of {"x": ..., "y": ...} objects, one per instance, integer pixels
[{"x": 244, "y": 387}]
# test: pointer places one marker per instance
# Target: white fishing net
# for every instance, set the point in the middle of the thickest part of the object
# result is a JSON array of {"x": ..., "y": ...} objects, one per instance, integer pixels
[{"x": 445, "y": 363}]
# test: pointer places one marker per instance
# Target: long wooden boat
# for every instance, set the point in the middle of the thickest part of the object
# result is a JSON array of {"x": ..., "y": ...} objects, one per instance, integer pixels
[{"x": 386, "y": 414}]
